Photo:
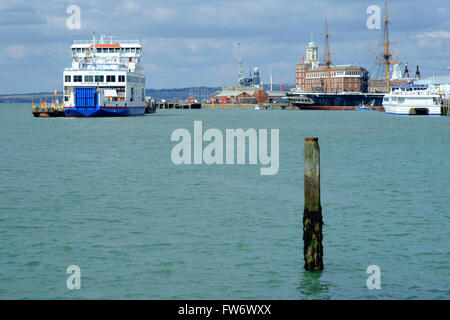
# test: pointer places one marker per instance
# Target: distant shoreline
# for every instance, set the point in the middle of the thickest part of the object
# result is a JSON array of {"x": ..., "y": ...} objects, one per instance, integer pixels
[{"x": 198, "y": 93}]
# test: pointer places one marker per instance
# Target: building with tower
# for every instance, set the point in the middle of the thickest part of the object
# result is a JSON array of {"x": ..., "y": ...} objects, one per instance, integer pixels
[{"x": 311, "y": 76}]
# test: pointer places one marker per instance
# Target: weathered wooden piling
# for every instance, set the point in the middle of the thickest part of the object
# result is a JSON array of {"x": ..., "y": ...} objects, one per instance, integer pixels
[
  {"x": 445, "y": 108},
  {"x": 312, "y": 214}
]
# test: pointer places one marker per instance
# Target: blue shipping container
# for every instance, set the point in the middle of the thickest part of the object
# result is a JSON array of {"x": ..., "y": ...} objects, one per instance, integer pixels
[{"x": 85, "y": 97}]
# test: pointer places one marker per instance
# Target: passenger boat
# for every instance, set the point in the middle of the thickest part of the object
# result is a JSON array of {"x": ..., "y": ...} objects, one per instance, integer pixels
[
  {"x": 105, "y": 79},
  {"x": 415, "y": 99}
]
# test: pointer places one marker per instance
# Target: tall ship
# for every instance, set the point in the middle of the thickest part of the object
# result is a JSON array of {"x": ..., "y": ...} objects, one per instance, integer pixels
[
  {"x": 105, "y": 79},
  {"x": 323, "y": 86}
]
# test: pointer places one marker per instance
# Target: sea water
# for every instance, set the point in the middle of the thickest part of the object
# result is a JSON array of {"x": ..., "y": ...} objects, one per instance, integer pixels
[{"x": 104, "y": 195}]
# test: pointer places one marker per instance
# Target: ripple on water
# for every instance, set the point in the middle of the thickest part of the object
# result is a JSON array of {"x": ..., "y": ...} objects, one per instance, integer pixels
[{"x": 140, "y": 227}]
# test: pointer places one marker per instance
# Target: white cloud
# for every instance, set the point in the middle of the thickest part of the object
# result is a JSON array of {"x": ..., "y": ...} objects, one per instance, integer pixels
[
  {"x": 435, "y": 34},
  {"x": 434, "y": 39},
  {"x": 129, "y": 6},
  {"x": 14, "y": 52}
]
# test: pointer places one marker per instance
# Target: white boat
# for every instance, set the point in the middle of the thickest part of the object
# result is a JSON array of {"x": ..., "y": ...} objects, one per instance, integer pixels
[
  {"x": 415, "y": 99},
  {"x": 106, "y": 79}
]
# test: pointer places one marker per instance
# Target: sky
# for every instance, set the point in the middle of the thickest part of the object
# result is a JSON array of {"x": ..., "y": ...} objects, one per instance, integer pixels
[{"x": 193, "y": 42}]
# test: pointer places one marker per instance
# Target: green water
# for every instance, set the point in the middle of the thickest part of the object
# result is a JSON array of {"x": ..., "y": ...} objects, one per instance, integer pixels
[{"x": 103, "y": 194}]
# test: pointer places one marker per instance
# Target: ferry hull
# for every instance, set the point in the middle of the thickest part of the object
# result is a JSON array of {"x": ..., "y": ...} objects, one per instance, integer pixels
[
  {"x": 431, "y": 111},
  {"x": 105, "y": 112},
  {"x": 337, "y": 101}
]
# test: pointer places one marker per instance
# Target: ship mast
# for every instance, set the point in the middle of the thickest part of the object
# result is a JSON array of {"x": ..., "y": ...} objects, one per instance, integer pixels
[
  {"x": 387, "y": 55},
  {"x": 328, "y": 60}
]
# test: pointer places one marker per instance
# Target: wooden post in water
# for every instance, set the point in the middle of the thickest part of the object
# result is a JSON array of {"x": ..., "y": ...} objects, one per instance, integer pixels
[{"x": 312, "y": 214}]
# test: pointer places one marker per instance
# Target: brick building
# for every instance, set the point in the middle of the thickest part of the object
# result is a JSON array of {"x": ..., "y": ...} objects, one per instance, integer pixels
[
  {"x": 240, "y": 95},
  {"x": 379, "y": 86},
  {"x": 310, "y": 76}
]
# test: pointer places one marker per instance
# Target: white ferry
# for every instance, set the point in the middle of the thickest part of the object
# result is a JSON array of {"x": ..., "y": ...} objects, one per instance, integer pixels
[
  {"x": 106, "y": 79},
  {"x": 415, "y": 99}
]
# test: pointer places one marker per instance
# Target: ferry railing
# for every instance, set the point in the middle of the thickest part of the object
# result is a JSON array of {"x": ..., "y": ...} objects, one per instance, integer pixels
[{"x": 107, "y": 42}]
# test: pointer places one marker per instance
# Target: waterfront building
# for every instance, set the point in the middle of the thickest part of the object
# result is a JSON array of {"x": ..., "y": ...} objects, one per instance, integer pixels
[{"x": 311, "y": 76}]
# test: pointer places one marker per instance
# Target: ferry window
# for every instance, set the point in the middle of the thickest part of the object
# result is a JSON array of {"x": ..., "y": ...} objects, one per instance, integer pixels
[
  {"x": 99, "y": 50},
  {"x": 67, "y": 79},
  {"x": 121, "y": 78},
  {"x": 122, "y": 50},
  {"x": 117, "y": 50},
  {"x": 133, "y": 49},
  {"x": 77, "y": 79},
  {"x": 111, "y": 50},
  {"x": 74, "y": 50},
  {"x": 110, "y": 78},
  {"x": 88, "y": 78},
  {"x": 105, "y": 50},
  {"x": 99, "y": 78},
  {"x": 127, "y": 50}
]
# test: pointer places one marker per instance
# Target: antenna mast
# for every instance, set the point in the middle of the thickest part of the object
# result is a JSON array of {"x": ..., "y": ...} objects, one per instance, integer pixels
[
  {"x": 271, "y": 78},
  {"x": 239, "y": 61},
  {"x": 94, "y": 48}
]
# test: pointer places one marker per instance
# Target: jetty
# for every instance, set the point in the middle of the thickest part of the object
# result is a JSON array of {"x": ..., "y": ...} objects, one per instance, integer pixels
[{"x": 177, "y": 104}]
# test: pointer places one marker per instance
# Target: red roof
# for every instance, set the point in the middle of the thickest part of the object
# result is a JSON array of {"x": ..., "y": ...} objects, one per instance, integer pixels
[{"x": 108, "y": 45}]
